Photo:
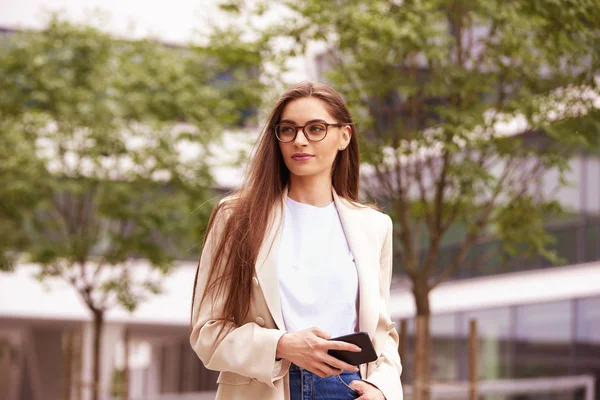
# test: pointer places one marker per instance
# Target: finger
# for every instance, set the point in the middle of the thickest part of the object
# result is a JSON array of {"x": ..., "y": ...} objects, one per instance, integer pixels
[
  {"x": 337, "y": 345},
  {"x": 320, "y": 333},
  {"x": 357, "y": 385},
  {"x": 319, "y": 373},
  {"x": 339, "y": 364},
  {"x": 363, "y": 395},
  {"x": 328, "y": 370},
  {"x": 315, "y": 368},
  {"x": 319, "y": 368},
  {"x": 366, "y": 390}
]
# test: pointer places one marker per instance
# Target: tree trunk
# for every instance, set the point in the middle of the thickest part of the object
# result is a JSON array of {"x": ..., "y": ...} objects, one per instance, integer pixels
[
  {"x": 97, "y": 353},
  {"x": 126, "y": 367},
  {"x": 77, "y": 363},
  {"x": 473, "y": 363},
  {"x": 422, "y": 379},
  {"x": 68, "y": 345}
]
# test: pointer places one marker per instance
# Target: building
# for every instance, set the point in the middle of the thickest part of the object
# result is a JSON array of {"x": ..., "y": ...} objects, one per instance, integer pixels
[
  {"x": 540, "y": 323},
  {"x": 535, "y": 321}
]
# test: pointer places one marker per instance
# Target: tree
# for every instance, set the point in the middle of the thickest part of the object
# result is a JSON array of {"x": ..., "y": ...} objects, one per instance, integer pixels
[
  {"x": 463, "y": 109},
  {"x": 19, "y": 169},
  {"x": 105, "y": 149}
]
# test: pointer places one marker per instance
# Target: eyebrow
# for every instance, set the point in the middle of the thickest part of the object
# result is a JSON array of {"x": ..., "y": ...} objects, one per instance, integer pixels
[{"x": 307, "y": 122}]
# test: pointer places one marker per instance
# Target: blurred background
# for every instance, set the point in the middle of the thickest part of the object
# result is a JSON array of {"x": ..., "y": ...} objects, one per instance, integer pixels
[{"x": 122, "y": 124}]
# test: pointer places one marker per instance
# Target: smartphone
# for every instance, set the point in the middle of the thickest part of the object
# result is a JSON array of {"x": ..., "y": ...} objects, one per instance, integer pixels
[{"x": 360, "y": 339}]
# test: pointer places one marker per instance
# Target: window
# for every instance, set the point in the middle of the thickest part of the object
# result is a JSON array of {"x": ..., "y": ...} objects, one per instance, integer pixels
[
  {"x": 587, "y": 337},
  {"x": 443, "y": 347},
  {"x": 543, "y": 339},
  {"x": 494, "y": 344},
  {"x": 443, "y": 329}
]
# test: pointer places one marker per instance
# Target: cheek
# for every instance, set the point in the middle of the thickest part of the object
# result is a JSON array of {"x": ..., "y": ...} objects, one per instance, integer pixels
[
  {"x": 286, "y": 152},
  {"x": 329, "y": 149},
  {"x": 285, "y": 149}
]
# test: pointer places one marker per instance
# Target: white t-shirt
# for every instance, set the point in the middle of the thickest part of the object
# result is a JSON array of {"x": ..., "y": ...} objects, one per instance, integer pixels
[{"x": 318, "y": 282}]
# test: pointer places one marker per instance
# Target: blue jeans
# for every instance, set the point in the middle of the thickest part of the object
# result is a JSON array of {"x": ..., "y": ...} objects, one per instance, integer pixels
[{"x": 305, "y": 385}]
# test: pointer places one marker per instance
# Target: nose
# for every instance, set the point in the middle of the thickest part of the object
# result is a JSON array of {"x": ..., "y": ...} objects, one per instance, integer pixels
[{"x": 300, "y": 138}]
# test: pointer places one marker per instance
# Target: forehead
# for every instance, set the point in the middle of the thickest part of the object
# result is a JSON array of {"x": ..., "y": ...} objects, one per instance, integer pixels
[{"x": 306, "y": 109}]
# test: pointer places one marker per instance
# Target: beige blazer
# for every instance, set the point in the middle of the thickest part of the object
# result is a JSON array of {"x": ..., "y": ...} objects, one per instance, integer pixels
[{"x": 245, "y": 355}]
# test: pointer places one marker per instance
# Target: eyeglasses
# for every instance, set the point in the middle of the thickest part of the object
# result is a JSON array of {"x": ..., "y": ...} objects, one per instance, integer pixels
[{"x": 313, "y": 131}]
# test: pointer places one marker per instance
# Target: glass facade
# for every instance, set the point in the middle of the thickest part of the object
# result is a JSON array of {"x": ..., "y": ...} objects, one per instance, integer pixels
[
  {"x": 587, "y": 339},
  {"x": 444, "y": 330},
  {"x": 525, "y": 341},
  {"x": 544, "y": 334},
  {"x": 494, "y": 333},
  {"x": 577, "y": 241}
]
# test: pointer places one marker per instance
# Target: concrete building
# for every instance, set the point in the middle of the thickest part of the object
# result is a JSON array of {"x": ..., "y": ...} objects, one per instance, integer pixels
[
  {"x": 536, "y": 321},
  {"x": 541, "y": 323}
]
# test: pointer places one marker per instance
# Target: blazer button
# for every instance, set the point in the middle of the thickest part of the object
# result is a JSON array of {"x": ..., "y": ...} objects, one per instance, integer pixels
[
  {"x": 255, "y": 281},
  {"x": 391, "y": 326},
  {"x": 260, "y": 321}
]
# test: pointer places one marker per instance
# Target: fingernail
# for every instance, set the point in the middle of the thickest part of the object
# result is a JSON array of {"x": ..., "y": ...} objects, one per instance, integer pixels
[{"x": 357, "y": 349}]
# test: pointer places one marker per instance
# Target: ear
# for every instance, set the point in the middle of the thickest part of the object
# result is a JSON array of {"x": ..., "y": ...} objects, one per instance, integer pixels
[{"x": 346, "y": 136}]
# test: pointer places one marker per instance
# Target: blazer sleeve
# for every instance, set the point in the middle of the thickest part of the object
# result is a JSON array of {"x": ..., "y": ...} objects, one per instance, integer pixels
[
  {"x": 387, "y": 370},
  {"x": 247, "y": 350}
]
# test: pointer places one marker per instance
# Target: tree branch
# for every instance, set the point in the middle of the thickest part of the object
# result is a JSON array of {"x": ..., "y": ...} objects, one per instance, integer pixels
[
  {"x": 401, "y": 208},
  {"x": 479, "y": 223},
  {"x": 418, "y": 175},
  {"x": 435, "y": 233}
]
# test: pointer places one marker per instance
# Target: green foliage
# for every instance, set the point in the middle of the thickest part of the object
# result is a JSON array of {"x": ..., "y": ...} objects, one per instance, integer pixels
[
  {"x": 522, "y": 219},
  {"x": 104, "y": 148},
  {"x": 20, "y": 172},
  {"x": 462, "y": 109}
]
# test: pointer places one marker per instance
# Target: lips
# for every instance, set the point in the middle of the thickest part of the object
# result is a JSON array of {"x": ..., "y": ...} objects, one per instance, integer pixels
[{"x": 302, "y": 156}]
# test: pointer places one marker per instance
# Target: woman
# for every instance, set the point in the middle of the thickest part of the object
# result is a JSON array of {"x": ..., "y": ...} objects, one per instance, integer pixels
[{"x": 293, "y": 259}]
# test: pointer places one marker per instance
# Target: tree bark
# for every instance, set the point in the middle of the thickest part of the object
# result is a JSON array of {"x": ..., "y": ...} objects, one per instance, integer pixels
[
  {"x": 68, "y": 345},
  {"x": 126, "y": 367},
  {"x": 473, "y": 360},
  {"x": 422, "y": 380},
  {"x": 97, "y": 352}
]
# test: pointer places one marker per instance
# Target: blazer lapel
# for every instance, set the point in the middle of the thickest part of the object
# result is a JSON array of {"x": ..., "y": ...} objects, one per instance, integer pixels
[
  {"x": 266, "y": 264},
  {"x": 368, "y": 283}
]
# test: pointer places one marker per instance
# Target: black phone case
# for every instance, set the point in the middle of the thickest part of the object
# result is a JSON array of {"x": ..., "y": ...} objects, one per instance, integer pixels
[{"x": 362, "y": 340}]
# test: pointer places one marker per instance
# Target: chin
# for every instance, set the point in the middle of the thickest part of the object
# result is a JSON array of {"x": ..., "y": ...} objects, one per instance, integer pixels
[
  {"x": 300, "y": 172},
  {"x": 305, "y": 172}
]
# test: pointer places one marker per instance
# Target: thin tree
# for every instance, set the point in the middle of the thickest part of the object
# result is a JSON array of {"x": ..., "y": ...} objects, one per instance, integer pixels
[
  {"x": 465, "y": 109},
  {"x": 116, "y": 136}
]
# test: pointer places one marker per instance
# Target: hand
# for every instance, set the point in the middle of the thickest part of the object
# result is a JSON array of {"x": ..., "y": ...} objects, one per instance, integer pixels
[
  {"x": 308, "y": 349},
  {"x": 366, "y": 390}
]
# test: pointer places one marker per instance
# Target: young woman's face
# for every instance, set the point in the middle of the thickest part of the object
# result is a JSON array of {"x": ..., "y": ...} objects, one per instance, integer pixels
[{"x": 311, "y": 158}]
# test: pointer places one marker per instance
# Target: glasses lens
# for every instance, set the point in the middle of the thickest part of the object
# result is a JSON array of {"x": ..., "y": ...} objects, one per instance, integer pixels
[
  {"x": 285, "y": 132},
  {"x": 316, "y": 131}
]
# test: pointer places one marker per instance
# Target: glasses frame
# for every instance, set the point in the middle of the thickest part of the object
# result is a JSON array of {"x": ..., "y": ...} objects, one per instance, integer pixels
[{"x": 303, "y": 127}]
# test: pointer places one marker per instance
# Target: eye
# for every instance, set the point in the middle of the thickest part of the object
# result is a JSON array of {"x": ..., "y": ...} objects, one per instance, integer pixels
[
  {"x": 317, "y": 128},
  {"x": 286, "y": 129}
]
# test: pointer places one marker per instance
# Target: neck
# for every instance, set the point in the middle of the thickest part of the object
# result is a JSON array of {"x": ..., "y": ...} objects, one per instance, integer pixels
[{"x": 312, "y": 190}]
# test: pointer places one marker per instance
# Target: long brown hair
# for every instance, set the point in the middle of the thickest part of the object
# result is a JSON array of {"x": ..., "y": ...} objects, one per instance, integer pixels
[{"x": 237, "y": 247}]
